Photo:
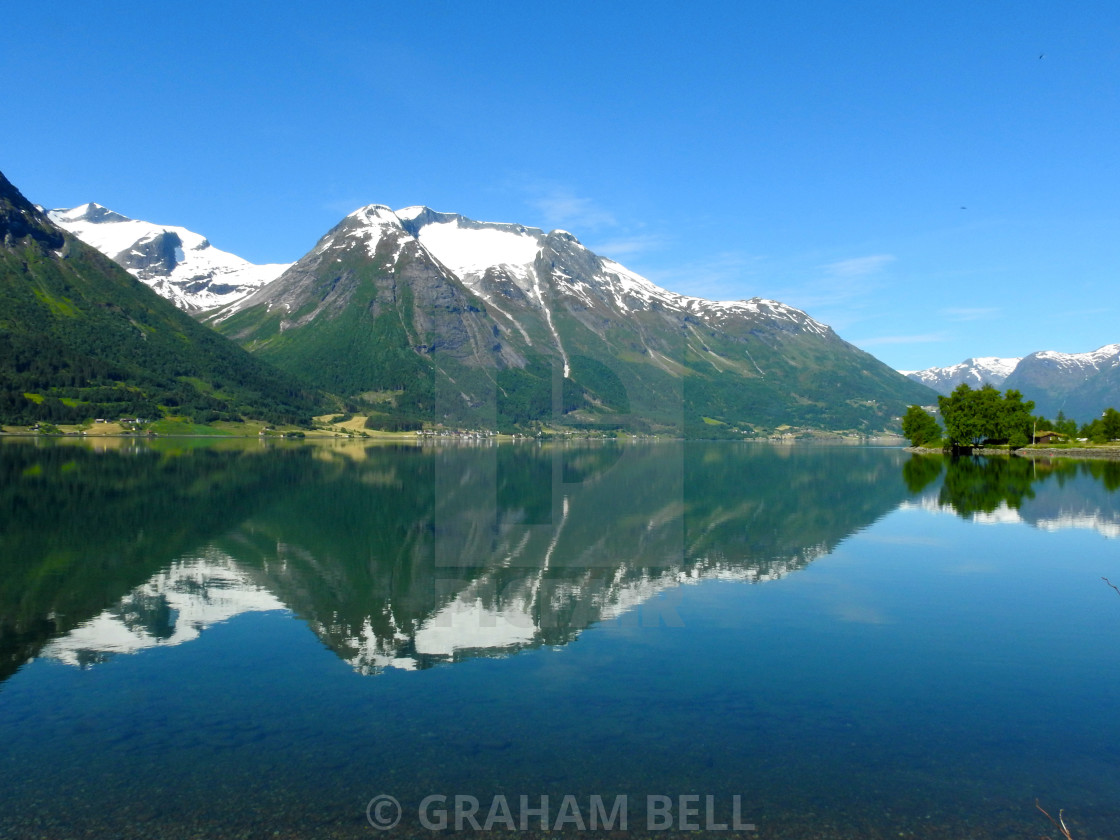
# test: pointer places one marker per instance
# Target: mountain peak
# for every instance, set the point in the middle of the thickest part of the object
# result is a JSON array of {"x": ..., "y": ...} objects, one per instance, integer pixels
[
  {"x": 88, "y": 212},
  {"x": 20, "y": 219},
  {"x": 377, "y": 215},
  {"x": 177, "y": 263},
  {"x": 974, "y": 372}
]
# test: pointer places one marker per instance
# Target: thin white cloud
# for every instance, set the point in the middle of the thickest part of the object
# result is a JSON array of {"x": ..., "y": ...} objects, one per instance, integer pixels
[
  {"x": 845, "y": 284},
  {"x": 858, "y": 266},
  {"x": 343, "y": 206},
  {"x": 618, "y": 249},
  {"x": 562, "y": 208},
  {"x": 918, "y": 338},
  {"x": 721, "y": 276},
  {"x": 979, "y": 313}
]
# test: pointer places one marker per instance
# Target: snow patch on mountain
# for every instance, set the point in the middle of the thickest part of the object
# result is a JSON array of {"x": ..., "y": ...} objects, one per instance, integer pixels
[
  {"x": 177, "y": 263},
  {"x": 469, "y": 252},
  {"x": 975, "y": 372},
  {"x": 1107, "y": 356},
  {"x": 375, "y": 222}
]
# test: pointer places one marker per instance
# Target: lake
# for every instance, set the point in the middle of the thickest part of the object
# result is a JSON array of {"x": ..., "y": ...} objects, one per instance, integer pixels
[{"x": 255, "y": 640}]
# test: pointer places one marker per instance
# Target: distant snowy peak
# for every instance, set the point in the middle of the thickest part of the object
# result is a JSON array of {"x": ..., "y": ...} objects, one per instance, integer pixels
[
  {"x": 177, "y": 263},
  {"x": 92, "y": 213},
  {"x": 975, "y": 372},
  {"x": 1102, "y": 357}
]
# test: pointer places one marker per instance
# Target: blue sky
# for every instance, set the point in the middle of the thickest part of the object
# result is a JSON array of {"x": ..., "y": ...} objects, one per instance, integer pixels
[{"x": 934, "y": 180}]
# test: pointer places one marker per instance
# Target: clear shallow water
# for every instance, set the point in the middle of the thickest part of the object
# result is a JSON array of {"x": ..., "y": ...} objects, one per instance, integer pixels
[{"x": 252, "y": 642}]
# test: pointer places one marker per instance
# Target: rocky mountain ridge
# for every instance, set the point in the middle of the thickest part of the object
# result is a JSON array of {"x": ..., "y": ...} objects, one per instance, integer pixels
[{"x": 418, "y": 307}]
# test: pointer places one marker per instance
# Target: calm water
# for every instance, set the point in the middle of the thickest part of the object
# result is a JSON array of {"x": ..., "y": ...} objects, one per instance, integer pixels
[{"x": 252, "y": 641}]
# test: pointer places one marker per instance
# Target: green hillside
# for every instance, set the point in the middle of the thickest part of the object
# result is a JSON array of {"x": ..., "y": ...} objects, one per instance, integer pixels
[{"x": 80, "y": 338}]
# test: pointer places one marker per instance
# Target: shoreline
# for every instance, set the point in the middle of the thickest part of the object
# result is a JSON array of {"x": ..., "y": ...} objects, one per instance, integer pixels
[{"x": 1107, "y": 453}]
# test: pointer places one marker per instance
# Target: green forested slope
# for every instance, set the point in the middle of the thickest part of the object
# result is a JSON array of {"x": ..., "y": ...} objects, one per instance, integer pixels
[{"x": 81, "y": 338}]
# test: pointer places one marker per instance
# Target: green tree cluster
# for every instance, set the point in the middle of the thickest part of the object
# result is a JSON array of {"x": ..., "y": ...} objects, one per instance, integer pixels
[
  {"x": 974, "y": 417},
  {"x": 1104, "y": 428},
  {"x": 920, "y": 428},
  {"x": 1063, "y": 425}
]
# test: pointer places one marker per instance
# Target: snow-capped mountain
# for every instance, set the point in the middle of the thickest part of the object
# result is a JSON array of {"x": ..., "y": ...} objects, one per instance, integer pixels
[
  {"x": 1080, "y": 385},
  {"x": 976, "y": 372},
  {"x": 444, "y": 309},
  {"x": 1071, "y": 366},
  {"x": 179, "y": 264},
  {"x": 477, "y": 251}
]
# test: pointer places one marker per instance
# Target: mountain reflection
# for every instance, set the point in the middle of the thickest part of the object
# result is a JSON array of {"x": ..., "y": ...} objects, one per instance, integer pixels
[
  {"x": 1050, "y": 495},
  {"x": 405, "y": 557}
]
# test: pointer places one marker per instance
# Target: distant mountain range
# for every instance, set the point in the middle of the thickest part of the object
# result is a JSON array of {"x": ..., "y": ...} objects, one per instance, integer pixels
[
  {"x": 1080, "y": 385},
  {"x": 983, "y": 370},
  {"x": 179, "y": 264},
  {"x": 419, "y": 317}
]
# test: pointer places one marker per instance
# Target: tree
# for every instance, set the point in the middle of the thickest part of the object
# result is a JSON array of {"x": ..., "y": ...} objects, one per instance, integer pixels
[
  {"x": 1015, "y": 419},
  {"x": 919, "y": 426},
  {"x": 1064, "y": 425},
  {"x": 970, "y": 416},
  {"x": 973, "y": 417},
  {"x": 1104, "y": 428}
]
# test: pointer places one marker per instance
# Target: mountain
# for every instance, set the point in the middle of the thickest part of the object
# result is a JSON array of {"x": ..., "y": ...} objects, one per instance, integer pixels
[
  {"x": 977, "y": 372},
  {"x": 179, "y": 264},
  {"x": 424, "y": 314},
  {"x": 81, "y": 338},
  {"x": 1081, "y": 385}
]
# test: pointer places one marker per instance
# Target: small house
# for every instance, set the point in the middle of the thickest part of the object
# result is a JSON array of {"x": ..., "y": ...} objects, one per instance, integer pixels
[{"x": 1047, "y": 437}]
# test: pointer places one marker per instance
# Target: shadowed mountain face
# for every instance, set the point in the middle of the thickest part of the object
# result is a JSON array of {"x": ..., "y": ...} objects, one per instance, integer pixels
[{"x": 405, "y": 557}]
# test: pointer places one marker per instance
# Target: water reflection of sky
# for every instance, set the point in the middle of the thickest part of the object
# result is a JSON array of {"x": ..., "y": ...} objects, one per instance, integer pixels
[{"x": 919, "y": 673}]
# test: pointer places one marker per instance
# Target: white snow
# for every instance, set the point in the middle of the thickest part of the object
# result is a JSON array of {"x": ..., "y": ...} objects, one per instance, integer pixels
[
  {"x": 1093, "y": 359},
  {"x": 1106, "y": 527},
  {"x": 469, "y": 252},
  {"x": 409, "y": 213},
  {"x": 975, "y": 372},
  {"x": 196, "y": 261},
  {"x": 376, "y": 221},
  {"x": 629, "y": 288}
]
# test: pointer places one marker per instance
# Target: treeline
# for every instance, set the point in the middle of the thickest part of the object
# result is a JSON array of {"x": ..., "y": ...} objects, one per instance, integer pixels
[{"x": 985, "y": 417}]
